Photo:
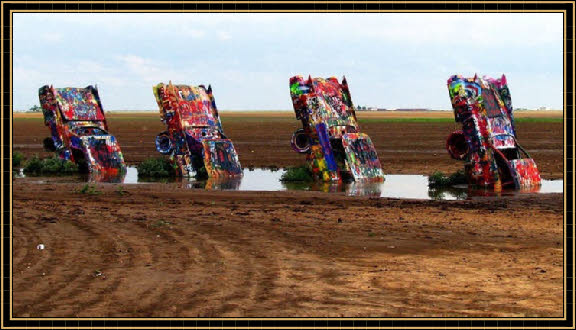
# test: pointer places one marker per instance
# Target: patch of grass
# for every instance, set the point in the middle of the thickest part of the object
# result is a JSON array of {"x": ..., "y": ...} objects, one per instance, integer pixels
[
  {"x": 33, "y": 166},
  {"x": 440, "y": 180},
  {"x": 298, "y": 174},
  {"x": 17, "y": 158},
  {"x": 539, "y": 120},
  {"x": 28, "y": 119},
  {"x": 156, "y": 168},
  {"x": 120, "y": 191},
  {"x": 437, "y": 180},
  {"x": 406, "y": 120},
  {"x": 161, "y": 223},
  {"x": 89, "y": 189},
  {"x": 451, "y": 120},
  {"x": 49, "y": 166},
  {"x": 245, "y": 119}
]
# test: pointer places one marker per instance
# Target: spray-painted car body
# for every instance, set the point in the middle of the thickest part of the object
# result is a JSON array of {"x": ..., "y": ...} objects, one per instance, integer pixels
[
  {"x": 335, "y": 148},
  {"x": 79, "y": 129},
  {"x": 194, "y": 137},
  {"x": 487, "y": 142}
]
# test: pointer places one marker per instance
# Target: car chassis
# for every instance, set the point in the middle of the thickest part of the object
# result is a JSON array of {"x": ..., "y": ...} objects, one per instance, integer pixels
[
  {"x": 79, "y": 129},
  {"x": 194, "y": 138},
  {"x": 335, "y": 149},
  {"x": 487, "y": 142}
]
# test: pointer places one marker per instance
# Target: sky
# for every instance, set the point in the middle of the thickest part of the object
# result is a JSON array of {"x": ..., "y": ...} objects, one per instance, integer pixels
[{"x": 390, "y": 60}]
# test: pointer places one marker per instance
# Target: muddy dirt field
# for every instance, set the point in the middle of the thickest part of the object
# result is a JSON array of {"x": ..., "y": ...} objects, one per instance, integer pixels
[
  {"x": 263, "y": 139},
  {"x": 164, "y": 250},
  {"x": 160, "y": 250}
]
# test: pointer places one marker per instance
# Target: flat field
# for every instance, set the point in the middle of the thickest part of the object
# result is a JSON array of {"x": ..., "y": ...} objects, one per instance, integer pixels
[
  {"x": 406, "y": 142},
  {"x": 164, "y": 250}
]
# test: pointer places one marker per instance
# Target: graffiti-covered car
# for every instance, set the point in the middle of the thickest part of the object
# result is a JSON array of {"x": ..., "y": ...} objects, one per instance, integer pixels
[
  {"x": 487, "y": 142},
  {"x": 79, "y": 129},
  {"x": 194, "y": 138},
  {"x": 335, "y": 148}
]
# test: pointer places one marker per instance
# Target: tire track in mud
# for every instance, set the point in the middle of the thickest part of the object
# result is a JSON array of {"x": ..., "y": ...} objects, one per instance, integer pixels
[
  {"x": 216, "y": 276},
  {"x": 24, "y": 259},
  {"x": 34, "y": 264},
  {"x": 266, "y": 275},
  {"x": 237, "y": 284},
  {"x": 112, "y": 258},
  {"x": 127, "y": 254},
  {"x": 275, "y": 257},
  {"x": 70, "y": 262},
  {"x": 143, "y": 245},
  {"x": 36, "y": 279},
  {"x": 77, "y": 249},
  {"x": 168, "y": 267},
  {"x": 222, "y": 272}
]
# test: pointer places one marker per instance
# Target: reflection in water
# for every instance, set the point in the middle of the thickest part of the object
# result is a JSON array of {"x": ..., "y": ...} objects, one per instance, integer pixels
[
  {"x": 223, "y": 184},
  {"x": 449, "y": 193},
  {"x": 351, "y": 189},
  {"x": 548, "y": 186},
  {"x": 107, "y": 176},
  {"x": 394, "y": 186}
]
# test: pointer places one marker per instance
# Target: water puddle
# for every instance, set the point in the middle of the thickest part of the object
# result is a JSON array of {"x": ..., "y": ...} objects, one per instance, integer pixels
[{"x": 260, "y": 179}]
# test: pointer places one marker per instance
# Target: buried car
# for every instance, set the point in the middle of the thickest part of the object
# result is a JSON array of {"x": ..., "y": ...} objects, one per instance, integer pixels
[
  {"x": 487, "y": 142},
  {"x": 79, "y": 129},
  {"x": 194, "y": 138},
  {"x": 335, "y": 148}
]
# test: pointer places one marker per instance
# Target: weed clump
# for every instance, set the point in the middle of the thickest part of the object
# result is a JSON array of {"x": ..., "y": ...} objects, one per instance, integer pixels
[
  {"x": 440, "y": 180},
  {"x": 161, "y": 223},
  {"x": 17, "y": 159},
  {"x": 301, "y": 174},
  {"x": 120, "y": 191},
  {"x": 88, "y": 189},
  {"x": 49, "y": 166},
  {"x": 156, "y": 168}
]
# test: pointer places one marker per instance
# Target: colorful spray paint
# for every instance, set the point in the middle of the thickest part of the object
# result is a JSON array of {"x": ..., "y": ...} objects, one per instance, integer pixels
[
  {"x": 487, "y": 142},
  {"x": 79, "y": 129},
  {"x": 335, "y": 149},
  {"x": 194, "y": 138}
]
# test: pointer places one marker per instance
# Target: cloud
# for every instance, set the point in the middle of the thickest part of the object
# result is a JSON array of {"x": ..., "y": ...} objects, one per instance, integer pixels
[
  {"x": 50, "y": 37},
  {"x": 145, "y": 69},
  {"x": 195, "y": 33},
  {"x": 223, "y": 35},
  {"x": 390, "y": 59}
]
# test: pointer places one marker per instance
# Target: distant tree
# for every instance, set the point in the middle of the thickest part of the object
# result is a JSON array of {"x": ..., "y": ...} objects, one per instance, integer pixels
[{"x": 35, "y": 108}]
